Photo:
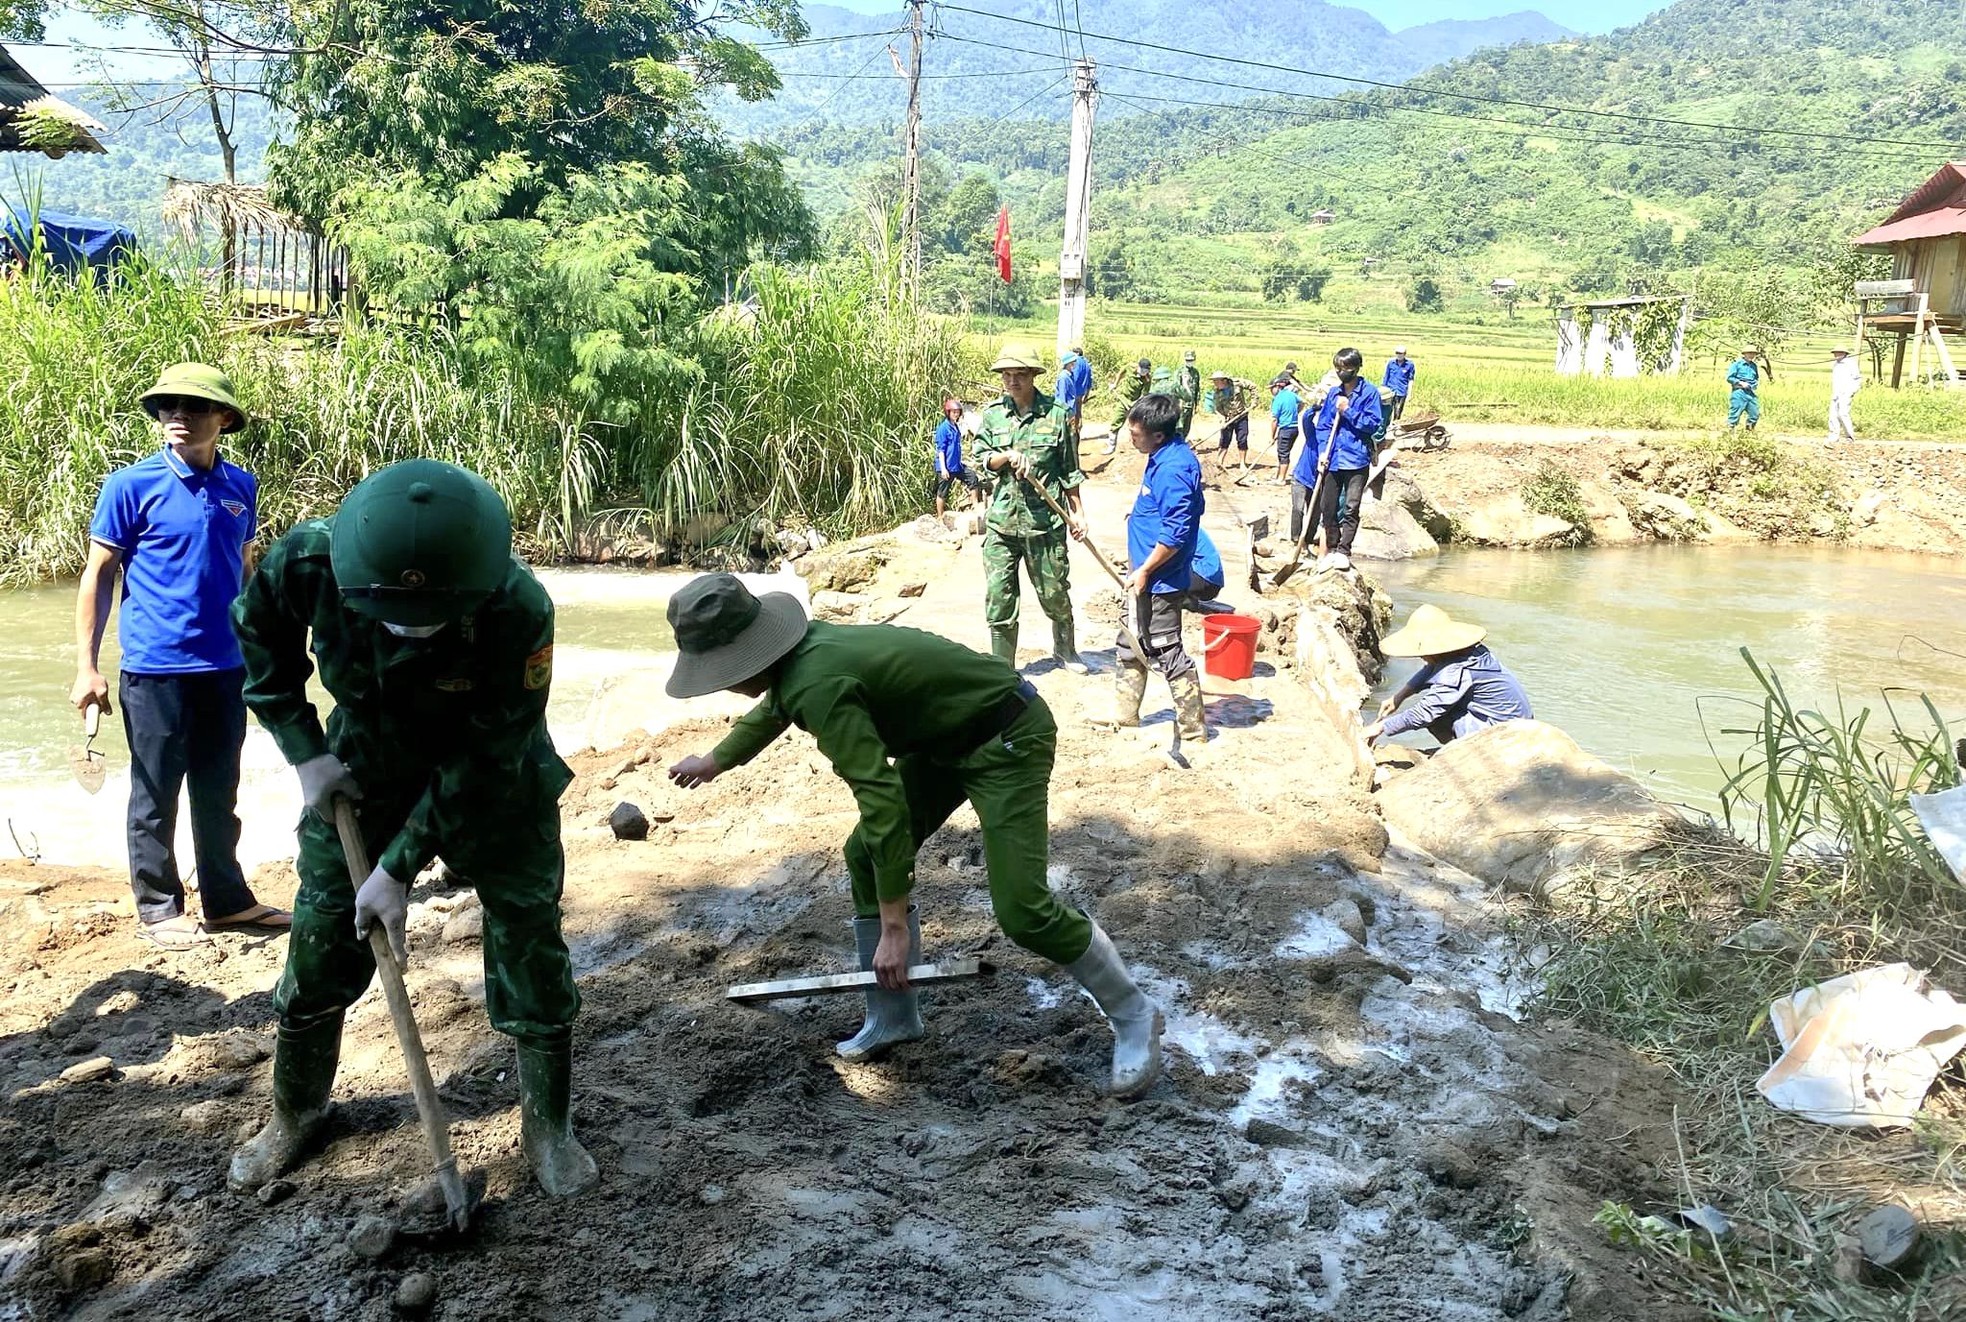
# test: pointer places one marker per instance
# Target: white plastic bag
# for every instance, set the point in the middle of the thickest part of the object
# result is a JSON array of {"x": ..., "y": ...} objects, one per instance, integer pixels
[
  {"x": 1862, "y": 1050},
  {"x": 1943, "y": 815}
]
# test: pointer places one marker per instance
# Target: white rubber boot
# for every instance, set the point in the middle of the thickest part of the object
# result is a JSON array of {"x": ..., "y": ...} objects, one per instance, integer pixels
[
  {"x": 892, "y": 1017},
  {"x": 1137, "y": 1022}
]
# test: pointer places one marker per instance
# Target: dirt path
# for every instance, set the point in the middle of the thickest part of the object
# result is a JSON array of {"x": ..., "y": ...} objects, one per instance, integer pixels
[{"x": 1353, "y": 1124}]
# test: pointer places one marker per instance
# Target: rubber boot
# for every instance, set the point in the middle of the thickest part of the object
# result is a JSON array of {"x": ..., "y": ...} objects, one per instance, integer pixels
[
  {"x": 558, "y": 1162},
  {"x": 1190, "y": 718},
  {"x": 892, "y": 1017},
  {"x": 304, "y": 1062},
  {"x": 1065, "y": 646},
  {"x": 1137, "y": 1022},
  {"x": 1129, "y": 691},
  {"x": 1003, "y": 643}
]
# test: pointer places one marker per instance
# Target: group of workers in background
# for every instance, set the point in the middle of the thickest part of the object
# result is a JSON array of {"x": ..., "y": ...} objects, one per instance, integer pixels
[{"x": 1746, "y": 373}]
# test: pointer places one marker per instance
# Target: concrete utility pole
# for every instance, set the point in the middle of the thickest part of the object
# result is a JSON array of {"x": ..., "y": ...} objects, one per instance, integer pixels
[
  {"x": 911, "y": 179},
  {"x": 1078, "y": 211}
]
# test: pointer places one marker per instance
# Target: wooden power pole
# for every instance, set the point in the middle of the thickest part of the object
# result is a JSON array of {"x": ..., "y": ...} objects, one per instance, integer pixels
[
  {"x": 911, "y": 219},
  {"x": 1078, "y": 211}
]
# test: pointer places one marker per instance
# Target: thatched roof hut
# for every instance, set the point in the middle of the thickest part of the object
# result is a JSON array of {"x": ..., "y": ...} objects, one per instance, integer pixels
[
  {"x": 192, "y": 204},
  {"x": 33, "y": 121}
]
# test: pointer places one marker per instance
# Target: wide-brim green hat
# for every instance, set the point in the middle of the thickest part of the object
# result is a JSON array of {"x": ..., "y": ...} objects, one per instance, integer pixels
[
  {"x": 1431, "y": 631},
  {"x": 725, "y": 635},
  {"x": 198, "y": 381},
  {"x": 1014, "y": 356}
]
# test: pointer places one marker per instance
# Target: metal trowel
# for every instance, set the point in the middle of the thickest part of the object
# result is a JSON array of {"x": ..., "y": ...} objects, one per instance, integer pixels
[{"x": 88, "y": 765}]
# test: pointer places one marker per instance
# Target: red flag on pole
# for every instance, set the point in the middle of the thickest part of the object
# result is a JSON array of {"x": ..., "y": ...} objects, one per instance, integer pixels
[{"x": 1002, "y": 247}]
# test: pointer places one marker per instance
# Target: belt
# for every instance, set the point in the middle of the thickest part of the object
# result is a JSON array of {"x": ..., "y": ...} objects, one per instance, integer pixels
[{"x": 1009, "y": 709}]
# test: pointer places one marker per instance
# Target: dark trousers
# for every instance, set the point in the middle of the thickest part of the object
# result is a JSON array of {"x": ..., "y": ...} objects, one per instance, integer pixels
[
  {"x": 1286, "y": 442},
  {"x": 1234, "y": 433},
  {"x": 1399, "y": 407},
  {"x": 185, "y": 731},
  {"x": 1156, "y": 623},
  {"x": 1344, "y": 493}
]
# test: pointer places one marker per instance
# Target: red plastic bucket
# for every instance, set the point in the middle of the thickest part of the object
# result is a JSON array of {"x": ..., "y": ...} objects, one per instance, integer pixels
[{"x": 1228, "y": 645}]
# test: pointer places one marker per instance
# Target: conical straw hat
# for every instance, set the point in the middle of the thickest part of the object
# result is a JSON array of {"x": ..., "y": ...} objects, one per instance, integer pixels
[{"x": 1431, "y": 631}]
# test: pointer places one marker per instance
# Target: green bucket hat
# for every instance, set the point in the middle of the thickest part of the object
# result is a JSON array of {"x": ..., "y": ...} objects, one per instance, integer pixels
[
  {"x": 726, "y": 636},
  {"x": 419, "y": 543},
  {"x": 198, "y": 381}
]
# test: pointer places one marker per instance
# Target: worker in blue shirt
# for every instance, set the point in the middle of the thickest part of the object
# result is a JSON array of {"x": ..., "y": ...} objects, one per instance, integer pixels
[
  {"x": 1284, "y": 408},
  {"x": 1338, "y": 450},
  {"x": 1460, "y": 687},
  {"x": 1400, "y": 372},
  {"x": 1073, "y": 385},
  {"x": 1206, "y": 576},
  {"x": 949, "y": 468},
  {"x": 1744, "y": 387},
  {"x": 177, "y": 526},
  {"x": 1161, "y": 535}
]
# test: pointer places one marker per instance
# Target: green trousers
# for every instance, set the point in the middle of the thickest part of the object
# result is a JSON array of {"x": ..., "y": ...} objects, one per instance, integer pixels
[
  {"x": 1008, "y": 782},
  {"x": 511, "y": 854},
  {"x": 1045, "y": 560}
]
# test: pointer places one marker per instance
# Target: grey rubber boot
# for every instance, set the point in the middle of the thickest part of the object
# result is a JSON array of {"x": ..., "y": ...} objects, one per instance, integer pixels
[
  {"x": 1003, "y": 643},
  {"x": 1065, "y": 646},
  {"x": 1137, "y": 1022},
  {"x": 892, "y": 1017},
  {"x": 560, "y": 1164},
  {"x": 1190, "y": 714},
  {"x": 1129, "y": 691},
  {"x": 304, "y": 1062}
]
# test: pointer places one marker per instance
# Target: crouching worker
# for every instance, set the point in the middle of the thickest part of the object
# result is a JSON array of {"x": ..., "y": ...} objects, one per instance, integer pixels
[
  {"x": 1161, "y": 536},
  {"x": 915, "y": 725},
  {"x": 437, "y": 648},
  {"x": 1460, "y": 687}
]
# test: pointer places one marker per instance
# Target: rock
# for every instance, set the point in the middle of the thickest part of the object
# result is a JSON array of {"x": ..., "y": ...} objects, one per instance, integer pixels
[
  {"x": 276, "y": 1191},
  {"x": 1446, "y": 1162},
  {"x": 416, "y": 1292},
  {"x": 841, "y": 570},
  {"x": 1610, "y": 525},
  {"x": 839, "y": 607},
  {"x": 711, "y": 1194},
  {"x": 1864, "y": 512},
  {"x": 1235, "y": 1195},
  {"x": 1387, "y": 530},
  {"x": 912, "y": 590},
  {"x": 240, "y": 1051},
  {"x": 1346, "y": 917},
  {"x": 130, "y": 1197},
  {"x": 1890, "y": 1240},
  {"x": 82, "y": 1269},
  {"x": 628, "y": 822},
  {"x": 1665, "y": 518},
  {"x": 207, "y": 1117},
  {"x": 467, "y": 923},
  {"x": 883, "y": 612},
  {"x": 1763, "y": 937},
  {"x": 372, "y": 1237},
  {"x": 121, "y": 1003},
  {"x": 1522, "y": 807},
  {"x": 1506, "y": 521},
  {"x": 89, "y": 1071},
  {"x": 1268, "y": 1134}
]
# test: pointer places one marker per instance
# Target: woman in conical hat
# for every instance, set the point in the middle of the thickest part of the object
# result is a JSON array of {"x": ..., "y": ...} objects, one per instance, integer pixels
[{"x": 1460, "y": 686}]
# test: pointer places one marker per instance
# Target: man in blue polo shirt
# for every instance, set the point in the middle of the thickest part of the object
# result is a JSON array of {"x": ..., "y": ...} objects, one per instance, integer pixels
[
  {"x": 1073, "y": 385},
  {"x": 949, "y": 468},
  {"x": 177, "y": 525},
  {"x": 1160, "y": 545},
  {"x": 1400, "y": 372}
]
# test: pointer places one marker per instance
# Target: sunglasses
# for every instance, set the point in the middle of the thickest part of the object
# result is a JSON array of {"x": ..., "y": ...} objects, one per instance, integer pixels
[{"x": 189, "y": 405}]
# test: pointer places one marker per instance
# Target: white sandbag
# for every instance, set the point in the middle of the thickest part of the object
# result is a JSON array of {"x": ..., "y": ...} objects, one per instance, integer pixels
[
  {"x": 1862, "y": 1050},
  {"x": 1943, "y": 815}
]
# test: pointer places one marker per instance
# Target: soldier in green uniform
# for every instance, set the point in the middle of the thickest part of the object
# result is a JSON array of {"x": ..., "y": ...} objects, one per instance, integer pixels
[
  {"x": 436, "y": 645},
  {"x": 1130, "y": 388},
  {"x": 1025, "y": 435},
  {"x": 1187, "y": 390},
  {"x": 915, "y": 725}
]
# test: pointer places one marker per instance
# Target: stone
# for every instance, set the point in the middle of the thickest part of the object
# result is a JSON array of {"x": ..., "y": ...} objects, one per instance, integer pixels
[
  {"x": 1663, "y": 518},
  {"x": 467, "y": 924},
  {"x": 207, "y": 1117},
  {"x": 1506, "y": 521},
  {"x": 1890, "y": 1240},
  {"x": 240, "y": 1051},
  {"x": 275, "y": 1192},
  {"x": 841, "y": 570},
  {"x": 1764, "y": 936},
  {"x": 911, "y": 590},
  {"x": 121, "y": 1003},
  {"x": 1269, "y": 1134},
  {"x": 1346, "y": 917},
  {"x": 1446, "y": 1162},
  {"x": 1387, "y": 530},
  {"x": 1864, "y": 512},
  {"x": 130, "y": 1197},
  {"x": 839, "y": 607},
  {"x": 628, "y": 822},
  {"x": 89, "y": 1071},
  {"x": 372, "y": 1237},
  {"x": 1522, "y": 807},
  {"x": 1610, "y": 525},
  {"x": 416, "y": 1292},
  {"x": 83, "y": 1268},
  {"x": 711, "y": 1194}
]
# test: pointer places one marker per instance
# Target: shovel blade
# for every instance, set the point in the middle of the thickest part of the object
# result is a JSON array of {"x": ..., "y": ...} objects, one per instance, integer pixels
[{"x": 89, "y": 768}]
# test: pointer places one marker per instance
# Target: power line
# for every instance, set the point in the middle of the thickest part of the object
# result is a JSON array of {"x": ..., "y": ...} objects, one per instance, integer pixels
[
  {"x": 882, "y": 77},
  {"x": 1472, "y": 96}
]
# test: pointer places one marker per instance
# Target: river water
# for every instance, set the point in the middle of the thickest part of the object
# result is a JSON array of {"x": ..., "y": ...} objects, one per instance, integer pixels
[{"x": 1636, "y": 652}]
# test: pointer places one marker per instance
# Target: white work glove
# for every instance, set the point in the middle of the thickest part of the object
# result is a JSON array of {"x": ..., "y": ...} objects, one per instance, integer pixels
[
  {"x": 321, "y": 780},
  {"x": 383, "y": 899}
]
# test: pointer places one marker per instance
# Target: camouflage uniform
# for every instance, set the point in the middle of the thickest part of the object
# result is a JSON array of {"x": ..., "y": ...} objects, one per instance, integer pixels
[
  {"x": 1020, "y": 526},
  {"x": 1131, "y": 387},
  {"x": 1187, "y": 389}
]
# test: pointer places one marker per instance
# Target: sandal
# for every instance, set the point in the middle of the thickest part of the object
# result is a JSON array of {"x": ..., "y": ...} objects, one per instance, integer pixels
[
  {"x": 260, "y": 918},
  {"x": 178, "y": 933}
]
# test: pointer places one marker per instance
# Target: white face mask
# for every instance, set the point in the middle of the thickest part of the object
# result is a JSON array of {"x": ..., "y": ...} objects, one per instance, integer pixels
[{"x": 413, "y": 630}]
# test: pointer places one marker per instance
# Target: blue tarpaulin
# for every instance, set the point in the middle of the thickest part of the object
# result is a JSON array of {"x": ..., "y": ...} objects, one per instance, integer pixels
[{"x": 72, "y": 242}]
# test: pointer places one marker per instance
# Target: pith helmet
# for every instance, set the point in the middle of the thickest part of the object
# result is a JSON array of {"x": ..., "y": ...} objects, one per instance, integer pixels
[
  {"x": 1188, "y": 357},
  {"x": 420, "y": 542},
  {"x": 196, "y": 381},
  {"x": 1015, "y": 356}
]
